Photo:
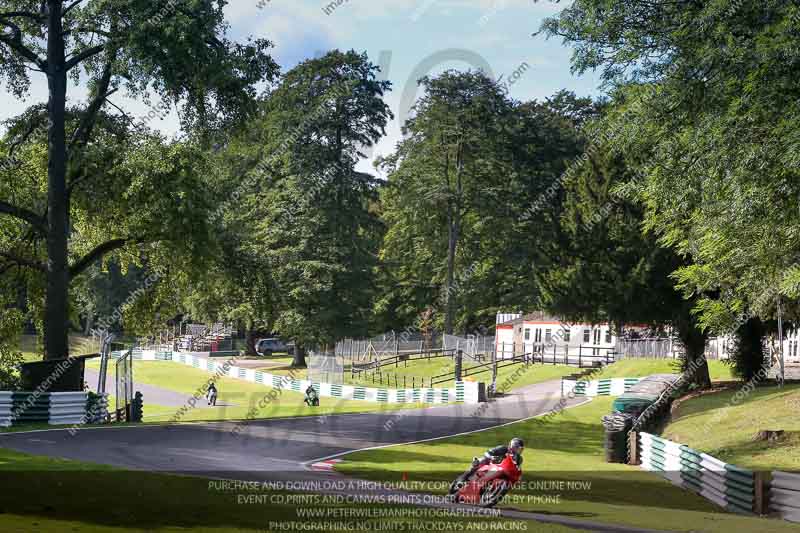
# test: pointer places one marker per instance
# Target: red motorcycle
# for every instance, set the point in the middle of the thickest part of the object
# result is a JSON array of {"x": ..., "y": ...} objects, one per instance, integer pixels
[{"x": 488, "y": 485}]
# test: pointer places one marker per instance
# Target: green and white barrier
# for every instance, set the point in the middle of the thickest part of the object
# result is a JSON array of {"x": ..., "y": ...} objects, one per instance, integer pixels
[
  {"x": 463, "y": 392},
  {"x": 784, "y": 496},
  {"x": 726, "y": 485},
  {"x": 51, "y": 408},
  {"x": 598, "y": 387}
]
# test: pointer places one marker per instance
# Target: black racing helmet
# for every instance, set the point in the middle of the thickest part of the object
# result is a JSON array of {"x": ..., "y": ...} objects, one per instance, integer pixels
[{"x": 516, "y": 444}]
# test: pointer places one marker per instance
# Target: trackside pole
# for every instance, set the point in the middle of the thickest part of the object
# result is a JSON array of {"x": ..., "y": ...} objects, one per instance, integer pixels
[
  {"x": 105, "y": 350},
  {"x": 494, "y": 372},
  {"x": 780, "y": 342}
]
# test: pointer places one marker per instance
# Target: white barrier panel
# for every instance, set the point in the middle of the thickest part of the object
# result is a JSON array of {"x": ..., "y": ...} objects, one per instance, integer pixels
[
  {"x": 598, "y": 387},
  {"x": 55, "y": 408},
  {"x": 784, "y": 495},
  {"x": 726, "y": 485}
]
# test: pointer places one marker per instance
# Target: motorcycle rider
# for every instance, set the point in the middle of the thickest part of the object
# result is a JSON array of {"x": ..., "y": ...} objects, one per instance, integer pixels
[
  {"x": 312, "y": 398},
  {"x": 496, "y": 455},
  {"x": 211, "y": 395}
]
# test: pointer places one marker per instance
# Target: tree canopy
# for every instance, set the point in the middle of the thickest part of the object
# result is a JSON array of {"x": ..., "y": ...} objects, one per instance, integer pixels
[{"x": 71, "y": 155}]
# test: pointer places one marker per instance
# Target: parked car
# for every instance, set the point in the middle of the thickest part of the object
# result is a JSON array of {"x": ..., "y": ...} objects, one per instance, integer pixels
[{"x": 273, "y": 345}]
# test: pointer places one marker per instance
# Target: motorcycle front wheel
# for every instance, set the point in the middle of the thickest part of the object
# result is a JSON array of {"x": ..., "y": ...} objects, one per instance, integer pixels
[
  {"x": 492, "y": 493},
  {"x": 456, "y": 486}
]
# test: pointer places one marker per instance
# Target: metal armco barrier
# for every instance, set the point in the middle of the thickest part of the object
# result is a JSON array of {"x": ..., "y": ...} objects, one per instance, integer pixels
[
  {"x": 784, "y": 496},
  {"x": 736, "y": 489}
]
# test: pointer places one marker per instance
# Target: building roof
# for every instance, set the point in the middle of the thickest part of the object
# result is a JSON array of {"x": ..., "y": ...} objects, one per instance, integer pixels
[{"x": 537, "y": 316}]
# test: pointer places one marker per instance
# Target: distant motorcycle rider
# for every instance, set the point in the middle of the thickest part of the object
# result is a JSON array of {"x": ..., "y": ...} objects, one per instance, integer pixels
[
  {"x": 211, "y": 395},
  {"x": 312, "y": 398}
]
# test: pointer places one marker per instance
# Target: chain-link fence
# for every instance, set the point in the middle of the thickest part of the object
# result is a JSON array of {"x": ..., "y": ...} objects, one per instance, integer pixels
[
  {"x": 655, "y": 348},
  {"x": 326, "y": 368},
  {"x": 476, "y": 347}
]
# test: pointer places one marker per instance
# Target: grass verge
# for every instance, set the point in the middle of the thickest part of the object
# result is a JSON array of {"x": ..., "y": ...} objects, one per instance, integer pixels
[
  {"x": 565, "y": 474},
  {"x": 55, "y": 495},
  {"x": 635, "y": 368},
  {"x": 723, "y": 425}
]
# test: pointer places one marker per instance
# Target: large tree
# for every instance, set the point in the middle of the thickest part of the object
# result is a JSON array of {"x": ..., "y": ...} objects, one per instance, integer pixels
[
  {"x": 712, "y": 96},
  {"x": 499, "y": 213},
  {"x": 443, "y": 178},
  {"x": 608, "y": 269},
  {"x": 316, "y": 235},
  {"x": 176, "y": 51}
]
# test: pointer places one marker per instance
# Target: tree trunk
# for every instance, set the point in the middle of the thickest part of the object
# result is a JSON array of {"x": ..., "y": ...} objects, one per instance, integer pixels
[
  {"x": 299, "y": 360},
  {"x": 56, "y": 312},
  {"x": 449, "y": 285},
  {"x": 695, "y": 365},
  {"x": 749, "y": 350},
  {"x": 250, "y": 337},
  {"x": 454, "y": 229}
]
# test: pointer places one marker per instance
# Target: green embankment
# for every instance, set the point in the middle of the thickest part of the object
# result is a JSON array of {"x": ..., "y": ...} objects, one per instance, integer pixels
[
  {"x": 568, "y": 448},
  {"x": 634, "y": 368},
  {"x": 723, "y": 425}
]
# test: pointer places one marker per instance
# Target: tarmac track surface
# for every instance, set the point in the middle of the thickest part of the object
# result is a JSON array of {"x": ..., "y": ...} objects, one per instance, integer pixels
[{"x": 276, "y": 450}]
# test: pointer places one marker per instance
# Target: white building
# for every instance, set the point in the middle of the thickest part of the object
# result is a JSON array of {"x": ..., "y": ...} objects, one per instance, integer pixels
[{"x": 551, "y": 339}]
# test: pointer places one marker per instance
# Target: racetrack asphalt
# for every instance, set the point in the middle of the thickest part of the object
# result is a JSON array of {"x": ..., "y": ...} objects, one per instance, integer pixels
[{"x": 282, "y": 449}]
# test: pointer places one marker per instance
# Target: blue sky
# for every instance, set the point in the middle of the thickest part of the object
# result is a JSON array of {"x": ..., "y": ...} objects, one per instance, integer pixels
[{"x": 410, "y": 35}]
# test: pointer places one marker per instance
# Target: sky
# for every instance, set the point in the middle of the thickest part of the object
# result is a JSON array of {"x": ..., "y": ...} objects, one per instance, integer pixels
[{"x": 407, "y": 38}]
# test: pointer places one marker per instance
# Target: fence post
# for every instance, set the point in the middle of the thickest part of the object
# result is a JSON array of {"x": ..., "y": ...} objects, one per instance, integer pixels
[
  {"x": 459, "y": 356},
  {"x": 760, "y": 503},
  {"x": 633, "y": 448},
  {"x": 580, "y": 352}
]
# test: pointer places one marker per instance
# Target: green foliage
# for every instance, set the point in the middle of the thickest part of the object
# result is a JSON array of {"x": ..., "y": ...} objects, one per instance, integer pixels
[
  {"x": 10, "y": 356},
  {"x": 608, "y": 269},
  {"x": 88, "y": 182},
  {"x": 296, "y": 225},
  {"x": 461, "y": 237},
  {"x": 709, "y": 109},
  {"x": 318, "y": 232}
]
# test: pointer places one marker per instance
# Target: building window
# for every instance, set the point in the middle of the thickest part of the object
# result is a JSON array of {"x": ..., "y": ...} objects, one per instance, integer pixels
[
  {"x": 608, "y": 336},
  {"x": 586, "y": 334},
  {"x": 548, "y": 336},
  {"x": 566, "y": 335},
  {"x": 527, "y": 334},
  {"x": 597, "y": 336},
  {"x": 538, "y": 334}
]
